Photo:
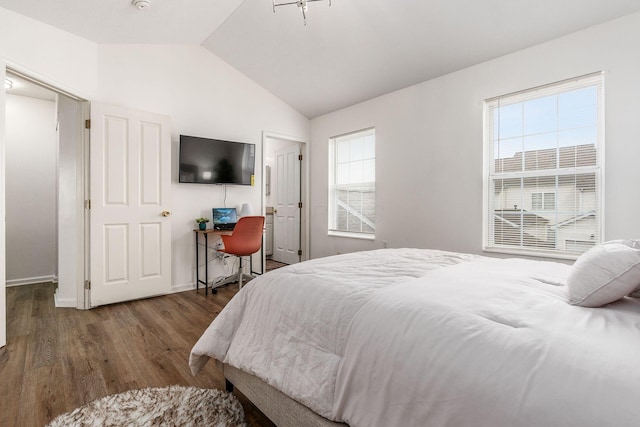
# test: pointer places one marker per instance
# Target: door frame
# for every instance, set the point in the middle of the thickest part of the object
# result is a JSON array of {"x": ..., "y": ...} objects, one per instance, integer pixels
[
  {"x": 81, "y": 187},
  {"x": 304, "y": 188},
  {"x": 3, "y": 252}
]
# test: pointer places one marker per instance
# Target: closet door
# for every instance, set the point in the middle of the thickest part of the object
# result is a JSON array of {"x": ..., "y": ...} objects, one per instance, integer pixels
[{"x": 286, "y": 227}]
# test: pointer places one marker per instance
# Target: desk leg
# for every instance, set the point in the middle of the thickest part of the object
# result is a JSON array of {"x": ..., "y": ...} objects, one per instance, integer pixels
[
  {"x": 205, "y": 282},
  {"x": 197, "y": 263},
  {"x": 206, "y": 264}
]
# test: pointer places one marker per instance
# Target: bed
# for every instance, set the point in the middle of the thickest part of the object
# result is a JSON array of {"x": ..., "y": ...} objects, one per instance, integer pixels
[{"x": 404, "y": 337}]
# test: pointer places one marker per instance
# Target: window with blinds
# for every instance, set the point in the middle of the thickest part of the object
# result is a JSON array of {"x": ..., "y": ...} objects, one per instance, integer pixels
[
  {"x": 543, "y": 162},
  {"x": 352, "y": 184}
]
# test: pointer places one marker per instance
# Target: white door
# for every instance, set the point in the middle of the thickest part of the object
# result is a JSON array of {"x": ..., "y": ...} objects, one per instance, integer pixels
[
  {"x": 130, "y": 231},
  {"x": 286, "y": 227}
]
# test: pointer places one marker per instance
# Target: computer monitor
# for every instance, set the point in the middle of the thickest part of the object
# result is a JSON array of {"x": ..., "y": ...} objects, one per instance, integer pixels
[{"x": 224, "y": 218}]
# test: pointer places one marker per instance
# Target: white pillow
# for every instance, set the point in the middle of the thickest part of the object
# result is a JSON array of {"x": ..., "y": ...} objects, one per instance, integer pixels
[{"x": 605, "y": 273}]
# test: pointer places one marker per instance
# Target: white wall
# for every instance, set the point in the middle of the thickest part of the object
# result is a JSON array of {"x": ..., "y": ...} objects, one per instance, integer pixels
[
  {"x": 30, "y": 190},
  {"x": 429, "y": 142},
  {"x": 59, "y": 58}
]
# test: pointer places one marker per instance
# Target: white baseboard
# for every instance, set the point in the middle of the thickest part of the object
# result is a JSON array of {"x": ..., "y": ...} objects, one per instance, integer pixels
[
  {"x": 64, "y": 302},
  {"x": 182, "y": 288},
  {"x": 30, "y": 280}
]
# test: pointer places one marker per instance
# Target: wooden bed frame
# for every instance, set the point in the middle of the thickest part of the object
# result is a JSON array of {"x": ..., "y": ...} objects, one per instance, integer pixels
[{"x": 278, "y": 407}]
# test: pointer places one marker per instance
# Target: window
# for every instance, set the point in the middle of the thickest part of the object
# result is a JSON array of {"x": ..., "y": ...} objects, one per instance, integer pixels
[
  {"x": 543, "y": 166},
  {"x": 352, "y": 184},
  {"x": 543, "y": 201}
]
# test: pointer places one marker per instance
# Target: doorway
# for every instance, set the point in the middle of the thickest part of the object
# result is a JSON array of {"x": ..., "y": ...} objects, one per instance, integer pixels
[
  {"x": 44, "y": 188},
  {"x": 31, "y": 187},
  {"x": 283, "y": 194}
]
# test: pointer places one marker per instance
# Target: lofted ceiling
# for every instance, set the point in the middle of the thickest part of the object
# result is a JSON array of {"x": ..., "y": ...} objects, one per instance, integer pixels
[{"x": 348, "y": 52}]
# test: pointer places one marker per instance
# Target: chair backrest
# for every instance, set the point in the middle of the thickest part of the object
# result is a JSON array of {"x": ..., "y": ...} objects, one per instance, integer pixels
[{"x": 246, "y": 238}]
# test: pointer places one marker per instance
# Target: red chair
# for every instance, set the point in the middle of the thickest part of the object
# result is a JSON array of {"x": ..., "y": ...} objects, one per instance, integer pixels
[{"x": 245, "y": 240}]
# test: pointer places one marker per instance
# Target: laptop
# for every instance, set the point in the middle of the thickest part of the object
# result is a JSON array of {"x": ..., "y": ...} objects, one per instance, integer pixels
[{"x": 224, "y": 218}]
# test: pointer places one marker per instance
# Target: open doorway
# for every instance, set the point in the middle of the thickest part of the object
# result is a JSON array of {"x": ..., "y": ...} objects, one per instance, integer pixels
[
  {"x": 31, "y": 187},
  {"x": 283, "y": 201},
  {"x": 44, "y": 164}
]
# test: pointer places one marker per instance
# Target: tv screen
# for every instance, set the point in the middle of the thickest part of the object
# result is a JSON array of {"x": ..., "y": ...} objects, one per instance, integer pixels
[{"x": 214, "y": 161}]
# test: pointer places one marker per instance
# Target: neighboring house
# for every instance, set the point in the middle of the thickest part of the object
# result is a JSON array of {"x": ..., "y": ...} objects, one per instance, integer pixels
[
  {"x": 516, "y": 225},
  {"x": 553, "y": 212},
  {"x": 577, "y": 234},
  {"x": 356, "y": 210}
]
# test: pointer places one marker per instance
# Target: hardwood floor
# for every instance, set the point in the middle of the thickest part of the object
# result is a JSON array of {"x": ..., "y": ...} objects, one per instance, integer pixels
[
  {"x": 57, "y": 359},
  {"x": 273, "y": 265}
]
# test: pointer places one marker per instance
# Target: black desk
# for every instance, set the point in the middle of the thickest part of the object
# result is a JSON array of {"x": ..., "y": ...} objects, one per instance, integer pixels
[{"x": 205, "y": 233}]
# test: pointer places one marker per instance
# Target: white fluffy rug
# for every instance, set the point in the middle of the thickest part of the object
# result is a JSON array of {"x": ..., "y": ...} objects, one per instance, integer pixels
[{"x": 168, "y": 406}]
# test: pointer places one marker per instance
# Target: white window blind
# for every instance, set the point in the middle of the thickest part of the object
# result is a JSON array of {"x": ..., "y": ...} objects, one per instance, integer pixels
[
  {"x": 352, "y": 184},
  {"x": 543, "y": 161}
]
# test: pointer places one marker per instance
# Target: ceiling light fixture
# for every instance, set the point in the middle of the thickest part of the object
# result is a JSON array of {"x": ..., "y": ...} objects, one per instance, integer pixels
[
  {"x": 8, "y": 84},
  {"x": 302, "y": 4},
  {"x": 143, "y": 5}
]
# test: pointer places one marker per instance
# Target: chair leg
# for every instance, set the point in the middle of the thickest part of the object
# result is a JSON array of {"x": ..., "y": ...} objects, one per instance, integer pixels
[{"x": 240, "y": 273}]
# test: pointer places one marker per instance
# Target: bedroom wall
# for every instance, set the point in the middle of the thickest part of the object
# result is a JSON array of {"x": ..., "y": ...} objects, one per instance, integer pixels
[
  {"x": 31, "y": 166},
  {"x": 57, "y": 57},
  {"x": 429, "y": 142},
  {"x": 204, "y": 96}
]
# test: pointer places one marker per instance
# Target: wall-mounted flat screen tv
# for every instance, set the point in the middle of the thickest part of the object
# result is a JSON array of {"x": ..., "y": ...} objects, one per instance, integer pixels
[{"x": 214, "y": 161}]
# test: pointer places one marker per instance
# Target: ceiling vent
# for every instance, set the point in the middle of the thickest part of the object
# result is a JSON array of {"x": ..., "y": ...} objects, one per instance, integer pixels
[{"x": 142, "y": 4}]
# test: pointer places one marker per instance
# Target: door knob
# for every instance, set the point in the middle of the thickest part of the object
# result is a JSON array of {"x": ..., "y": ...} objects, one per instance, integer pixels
[
  {"x": 275, "y": 210},
  {"x": 165, "y": 213}
]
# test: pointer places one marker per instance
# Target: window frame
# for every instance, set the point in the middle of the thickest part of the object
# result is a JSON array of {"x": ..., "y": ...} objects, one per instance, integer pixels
[
  {"x": 489, "y": 174},
  {"x": 332, "y": 229}
]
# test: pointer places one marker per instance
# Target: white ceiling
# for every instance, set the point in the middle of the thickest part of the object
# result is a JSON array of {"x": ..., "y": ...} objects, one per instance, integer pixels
[
  {"x": 118, "y": 21},
  {"x": 347, "y": 53}
]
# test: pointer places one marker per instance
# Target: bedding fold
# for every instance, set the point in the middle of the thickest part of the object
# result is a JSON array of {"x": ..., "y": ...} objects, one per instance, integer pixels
[{"x": 288, "y": 326}]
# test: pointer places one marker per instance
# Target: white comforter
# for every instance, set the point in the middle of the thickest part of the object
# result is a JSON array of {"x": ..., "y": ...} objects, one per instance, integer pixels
[{"x": 408, "y": 337}]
